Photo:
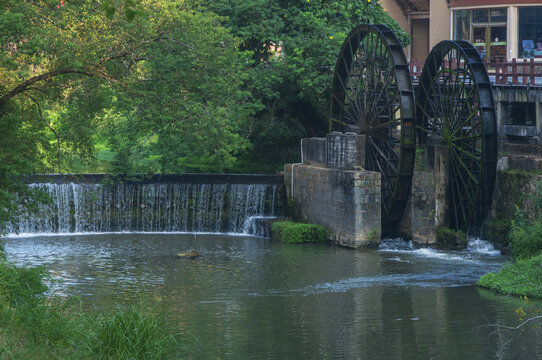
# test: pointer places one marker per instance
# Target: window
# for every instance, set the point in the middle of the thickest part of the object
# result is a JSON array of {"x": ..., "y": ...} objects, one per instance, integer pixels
[
  {"x": 485, "y": 29},
  {"x": 462, "y": 25},
  {"x": 519, "y": 113},
  {"x": 530, "y": 32}
]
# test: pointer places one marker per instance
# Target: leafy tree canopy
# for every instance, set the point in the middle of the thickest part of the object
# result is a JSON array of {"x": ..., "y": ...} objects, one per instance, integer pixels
[
  {"x": 294, "y": 85},
  {"x": 165, "y": 86}
]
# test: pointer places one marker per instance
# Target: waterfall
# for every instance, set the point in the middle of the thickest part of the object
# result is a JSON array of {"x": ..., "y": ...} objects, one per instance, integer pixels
[{"x": 155, "y": 207}]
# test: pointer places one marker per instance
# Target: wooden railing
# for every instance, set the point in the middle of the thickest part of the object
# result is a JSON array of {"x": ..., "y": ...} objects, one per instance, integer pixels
[{"x": 526, "y": 72}]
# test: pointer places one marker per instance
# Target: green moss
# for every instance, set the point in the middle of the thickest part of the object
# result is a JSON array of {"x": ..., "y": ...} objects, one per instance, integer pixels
[
  {"x": 520, "y": 278},
  {"x": 419, "y": 163},
  {"x": 294, "y": 233},
  {"x": 293, "y": 211},
  {"x": 449, "y": 237},
  {"x": 373, "y": 235}
]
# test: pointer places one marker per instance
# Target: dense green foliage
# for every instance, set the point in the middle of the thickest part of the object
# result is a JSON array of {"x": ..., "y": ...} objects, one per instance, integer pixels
[
  {"x": 454, "y": 239},
  {"x": 497, "y": 230},
  {"x": 293, "y": 85},
  {"x": 36, "y": 326},
  {"x": 525, "y": 235},
  {"x": 523, "y": 277},
  {"x": 526, "y": 240},
  {"x": 141, "y": 86},
  {"x": 290, "y": 232}
]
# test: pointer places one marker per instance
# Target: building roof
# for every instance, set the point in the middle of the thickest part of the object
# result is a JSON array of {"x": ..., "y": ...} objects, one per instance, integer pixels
[{"x": 414, "y": 6}]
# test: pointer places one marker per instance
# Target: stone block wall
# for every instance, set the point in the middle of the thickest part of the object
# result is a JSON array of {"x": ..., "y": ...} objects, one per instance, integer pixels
[
  {"x": 345, "y": 202},
  {"x": 314, "y": 151},
  {"x": 345, "y": 151},
  {"x": 419, "y": 220}
]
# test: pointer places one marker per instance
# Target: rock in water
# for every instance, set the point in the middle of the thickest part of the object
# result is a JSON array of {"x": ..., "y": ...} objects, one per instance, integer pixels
[{"x": 191, "y": 255}]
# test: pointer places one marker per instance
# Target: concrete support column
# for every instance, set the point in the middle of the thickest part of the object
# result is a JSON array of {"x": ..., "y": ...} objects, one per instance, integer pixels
[
  {"x": 441, "y": 185},
  {"x": 512, "y": 33},
  {"x": 538, "y": 115}
]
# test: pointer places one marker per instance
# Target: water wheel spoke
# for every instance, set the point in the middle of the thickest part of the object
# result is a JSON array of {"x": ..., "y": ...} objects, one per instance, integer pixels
[
  {"x": 466, "y": 169},
  {"x": 382, "y": 156},
  {"x": 345, "y": 109},
  {"x": 465, "y": 106},
  {"x": 395, "y": 108},
  {"x": 466, "y": 192},
  {"x": 366, "y": 92},
  {"x": 469, "y": 136},
  {"x": 344, "y": 106},
  {"x": 449, "y": 104},
  {"x": 388, "y": 124},
  {"x": 457, "y": 202},
  {"x": 385, "y": 86}
]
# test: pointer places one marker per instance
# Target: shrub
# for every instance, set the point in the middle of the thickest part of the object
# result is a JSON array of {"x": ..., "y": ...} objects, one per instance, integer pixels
[
  {"x": 451, "y": 238},
  {"x": 497, "y": 230},
  {"x": 293, "y": 233},
  {"x": 526, "y": 240},
  {"x": 131, "y": 334},
  {"x": 21, "y": 287},
  {"x": 521, "y": 278},
  {"x": 36, "y": 326}
]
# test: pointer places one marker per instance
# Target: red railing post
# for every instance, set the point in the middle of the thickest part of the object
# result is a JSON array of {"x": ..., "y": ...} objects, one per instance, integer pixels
[
  {"x": 514, "y": 72},
  {"x": 525, "y": 70},
  {"x": 531, "y": 71},
  {"x": 505, "y": 74},
  {"x": 497, "y": 76}
]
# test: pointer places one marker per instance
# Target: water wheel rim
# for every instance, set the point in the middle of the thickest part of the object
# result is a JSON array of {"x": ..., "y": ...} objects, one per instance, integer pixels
[
  {"x": 383, "y": 110},
  {"x": 455, "y": 107}
]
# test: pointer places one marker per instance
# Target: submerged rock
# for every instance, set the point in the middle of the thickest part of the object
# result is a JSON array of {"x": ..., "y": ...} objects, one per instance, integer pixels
[{"x": 191, "y": 255}]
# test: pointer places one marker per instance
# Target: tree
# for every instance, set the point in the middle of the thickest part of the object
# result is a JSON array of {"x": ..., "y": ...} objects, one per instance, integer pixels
[
  {"x": 294, "y": 87},
  {"x": 84, "y": 89},
  {"x": 187, "y": 109}
]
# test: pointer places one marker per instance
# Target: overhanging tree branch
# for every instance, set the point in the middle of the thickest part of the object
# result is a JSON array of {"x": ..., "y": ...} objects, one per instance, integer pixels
[{"x": 26, "y": 85}]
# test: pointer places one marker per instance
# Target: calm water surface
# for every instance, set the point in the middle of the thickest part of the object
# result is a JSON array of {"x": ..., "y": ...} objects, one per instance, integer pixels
[{"x": 252, "y": 298}]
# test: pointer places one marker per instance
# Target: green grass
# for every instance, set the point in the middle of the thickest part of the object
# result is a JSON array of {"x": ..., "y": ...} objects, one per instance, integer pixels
[
  {"x": 130, "y": 334},
  {"x": 294, "y": 233},
  {"x": 36, "y": 326},
  {"x": 523, "y": 278}
]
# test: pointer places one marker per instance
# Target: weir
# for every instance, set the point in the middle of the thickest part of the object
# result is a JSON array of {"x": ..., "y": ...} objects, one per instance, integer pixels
[{"x": 213, "y": 206}]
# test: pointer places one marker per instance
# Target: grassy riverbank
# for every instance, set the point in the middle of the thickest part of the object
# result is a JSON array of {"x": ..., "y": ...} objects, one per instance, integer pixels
[
  {"x": 37, "y": 326},
  {"x": 523, "y": 276}
]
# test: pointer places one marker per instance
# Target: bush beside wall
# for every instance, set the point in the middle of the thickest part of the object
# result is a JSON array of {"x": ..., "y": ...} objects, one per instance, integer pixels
[{"x": 294, "y": 233}]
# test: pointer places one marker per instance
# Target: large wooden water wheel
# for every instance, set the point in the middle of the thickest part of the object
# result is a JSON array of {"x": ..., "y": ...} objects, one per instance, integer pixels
[
  {"x": 372, "y": 93},
  {"x": 455, "y": 110}
]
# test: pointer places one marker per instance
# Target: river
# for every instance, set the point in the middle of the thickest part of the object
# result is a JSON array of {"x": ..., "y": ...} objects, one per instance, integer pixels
[{"x": 254, "y": 298}]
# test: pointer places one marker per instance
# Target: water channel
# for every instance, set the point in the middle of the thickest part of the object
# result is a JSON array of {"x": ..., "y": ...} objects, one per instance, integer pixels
[{"x": 253, "y": 298}]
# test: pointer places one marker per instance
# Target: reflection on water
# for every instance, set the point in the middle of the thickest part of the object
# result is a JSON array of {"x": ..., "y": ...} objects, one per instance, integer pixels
[{"x": 252, "y": 298}]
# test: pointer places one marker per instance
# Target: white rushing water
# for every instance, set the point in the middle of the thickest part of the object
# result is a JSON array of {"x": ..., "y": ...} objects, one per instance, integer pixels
[
  {"x": 482, "y": 247},
  {"x": 199, "y": 208},
  {"x": 475, "y": 248}
]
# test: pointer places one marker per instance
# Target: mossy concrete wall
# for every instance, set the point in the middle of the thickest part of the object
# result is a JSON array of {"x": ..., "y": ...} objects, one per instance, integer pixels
[
  {"x": 516, "y": 189},
  {"x": 345, "y": 202},
  {"x": 330, "y": 188},
  {"x": 419, "y": 220}
]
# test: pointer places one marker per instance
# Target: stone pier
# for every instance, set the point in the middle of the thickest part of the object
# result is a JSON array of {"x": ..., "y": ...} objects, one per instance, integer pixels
[
  {"x": 331, "y": 188},
  {"x": 428, "y": 205}
]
